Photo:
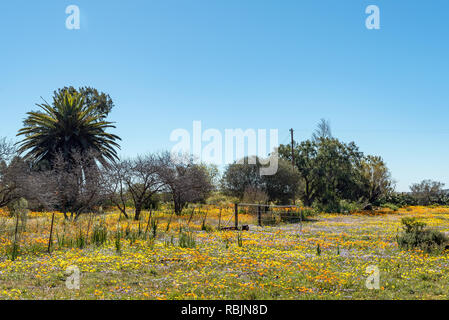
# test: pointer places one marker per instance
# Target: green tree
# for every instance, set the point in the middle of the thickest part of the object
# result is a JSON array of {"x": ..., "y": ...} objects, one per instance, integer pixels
[
  {"x": 332, "y": 170},
  {"x": 101, "y": 101},
  {"x": 305, "y": 155},
  {"x": 338, "y": 172},
  {"x": 427, "y": 191},
  {"x": 376, "y": 178},
  {"x": 242, "y": 179},
  {"x": 282, "y": 186},
  {"x": 66, "y": 125},
  {"x": 240, "y": 176},
  {"x": 329, "y": 169}
]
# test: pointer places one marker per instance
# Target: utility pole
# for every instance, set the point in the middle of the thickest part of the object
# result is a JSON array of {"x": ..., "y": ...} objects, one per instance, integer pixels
[{"x": 293, "y": 148}]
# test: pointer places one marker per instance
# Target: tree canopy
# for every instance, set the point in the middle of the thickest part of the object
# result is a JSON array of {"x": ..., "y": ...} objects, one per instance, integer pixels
[
  {"x": 68, "y": 124},
  {"x": 331, "y": 170}
]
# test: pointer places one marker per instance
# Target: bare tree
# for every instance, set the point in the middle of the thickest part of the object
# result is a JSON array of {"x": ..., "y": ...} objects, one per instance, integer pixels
[
  {"x": 69, "y": 186},
  {"x": 77, "y": 183},
  {"x": 184, "y": 180},
  {"x": 39, "y": 189},
  {"x": 19, "y": 180},
  {"x": 323, "y": 131},
  {"x": 11, "y": 173},
  {"x": 141, "y": 178},
  {"x": 114, "y": 181},
  {"x": 6, "y": 149}
]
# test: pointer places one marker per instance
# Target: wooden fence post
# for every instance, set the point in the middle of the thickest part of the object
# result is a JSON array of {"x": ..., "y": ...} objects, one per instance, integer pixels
[
  {"x": 236, "y": 212},
  {"x": 50, "y": 239},
  {"x": 259, "y": 215}
]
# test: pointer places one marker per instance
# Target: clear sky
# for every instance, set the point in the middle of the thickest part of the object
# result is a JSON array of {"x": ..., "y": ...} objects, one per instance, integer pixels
[{"x": 243, "y": 64}]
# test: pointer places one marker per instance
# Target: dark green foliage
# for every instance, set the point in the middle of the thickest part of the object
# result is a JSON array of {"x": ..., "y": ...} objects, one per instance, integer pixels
[
  {"x": 131, "y": 235},
  {"x": 429, "y": 192},
  {"x": 305, "y": 155},
  {"x": 426, "y": 193},
  {"x": 101, "y": 101},
  {"x": 66, "y": 125},
  {"x": 239, "y": 240},
  {"x": 243, "y": 177},
  {"x": 282, "y": 186},
  {"x": 80, "y": 240},
  {"x": 331, "y": 170},
  {"x": 186, "y": 240},
  {"x": 153, "y": 225},
  {"x": 399, "y": 199},
  {"x": 99, "y": 234},
  {"x": 152, "y": 203},
  {"x": 63, "y": 241},
  {"x": 14, "y": 251},
  {"x": 118, "y": 239},
  {"x": 238, "y": 177},
  {"x": 308, "y": 212},
  {"x": 169, "y": 242},
  {"x": 415, "y": 235},
  {"x": 342, "y": 206}
]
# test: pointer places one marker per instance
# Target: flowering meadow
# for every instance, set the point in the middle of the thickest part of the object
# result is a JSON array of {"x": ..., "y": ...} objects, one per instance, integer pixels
[{"x": 186, "y": 257}]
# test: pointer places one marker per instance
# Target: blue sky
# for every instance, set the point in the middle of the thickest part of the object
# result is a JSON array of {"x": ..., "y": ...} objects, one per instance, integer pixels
[{"x": 243, "y": 64}]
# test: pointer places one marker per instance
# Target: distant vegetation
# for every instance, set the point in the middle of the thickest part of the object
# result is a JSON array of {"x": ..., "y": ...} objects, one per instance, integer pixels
[
  {"x": 417, "y": 235},
  {"x": 155, "y": 226},
  {"x": 68, "y": 161}
]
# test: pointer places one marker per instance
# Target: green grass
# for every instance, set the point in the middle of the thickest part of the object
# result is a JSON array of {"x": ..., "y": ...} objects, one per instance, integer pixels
[{"x": 327, "y": 260}]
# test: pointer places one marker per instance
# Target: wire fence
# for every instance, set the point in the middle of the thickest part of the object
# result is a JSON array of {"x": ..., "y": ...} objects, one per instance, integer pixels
[
  {"x": 244, "y": 215},
  {"x": 36, "y": 235},
  {"x": 273, "y": 215},
  {"x": 241, "y": 216}
]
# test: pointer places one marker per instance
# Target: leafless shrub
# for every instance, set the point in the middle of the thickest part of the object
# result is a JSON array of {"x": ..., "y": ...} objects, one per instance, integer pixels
[
  {"x": 115, "y": 187},
  {"x": 12, "y": 174},
  {"x": 184, "y": 180},
  {"x": 255, "y": 195},
  {"x": 77, "y": 184},
  {"x": 137, "y": 179}
]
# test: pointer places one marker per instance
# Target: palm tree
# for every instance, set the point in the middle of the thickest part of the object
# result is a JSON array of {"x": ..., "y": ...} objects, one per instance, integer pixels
[{"x": 68, "y": 125}]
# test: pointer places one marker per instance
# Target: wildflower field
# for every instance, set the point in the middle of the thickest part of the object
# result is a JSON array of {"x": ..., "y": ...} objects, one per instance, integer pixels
[{"x": 185, "y": 257}]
